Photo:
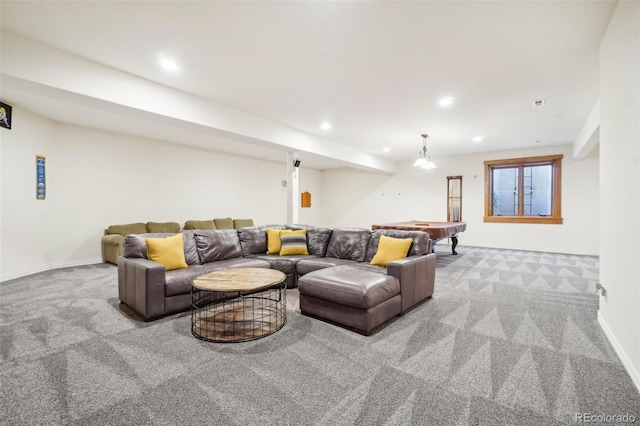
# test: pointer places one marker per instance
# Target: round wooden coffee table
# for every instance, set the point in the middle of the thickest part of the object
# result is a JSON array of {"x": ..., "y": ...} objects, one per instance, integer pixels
[{"x": 236, "y": 305}]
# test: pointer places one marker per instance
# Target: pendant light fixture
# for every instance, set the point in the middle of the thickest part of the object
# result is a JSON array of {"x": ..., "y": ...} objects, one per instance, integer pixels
[{"x": 424, "y": 159}]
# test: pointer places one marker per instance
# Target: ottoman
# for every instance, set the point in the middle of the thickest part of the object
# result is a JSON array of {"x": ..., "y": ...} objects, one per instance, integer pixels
[{"x": 357, "y": 298}]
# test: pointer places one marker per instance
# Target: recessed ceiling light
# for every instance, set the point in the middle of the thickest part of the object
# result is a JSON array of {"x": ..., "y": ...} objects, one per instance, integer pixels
[
  {"x": 478, "y": 138},
  {"x": 386, "y": 149},
  {"x": 168, "y": 64},
  {"x": 446, "y": 101},
  {"x": 325, "y": 126}
]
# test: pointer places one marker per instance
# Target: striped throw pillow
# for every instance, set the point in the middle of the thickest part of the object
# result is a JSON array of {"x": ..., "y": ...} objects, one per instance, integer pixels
[{"x": 293, "y": 242}]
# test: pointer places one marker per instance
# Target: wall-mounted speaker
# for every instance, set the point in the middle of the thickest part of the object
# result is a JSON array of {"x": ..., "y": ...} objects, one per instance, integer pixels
[{"x": 296, "y": 162}]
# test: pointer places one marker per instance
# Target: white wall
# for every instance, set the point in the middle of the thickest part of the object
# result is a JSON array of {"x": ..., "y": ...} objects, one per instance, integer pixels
[
  {"x": 355, "y": 198},
  {"x": 311, "y": 181},
  {"x": 24, "y": 228},
  {"x": 97, "y": 178},
  {"x": 620, "y": 182}
]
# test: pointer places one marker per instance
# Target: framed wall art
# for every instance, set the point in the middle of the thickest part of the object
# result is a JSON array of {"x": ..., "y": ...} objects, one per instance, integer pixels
[
  {"x": 41, "y": 178},
  {"x": 5, "y": 115}
]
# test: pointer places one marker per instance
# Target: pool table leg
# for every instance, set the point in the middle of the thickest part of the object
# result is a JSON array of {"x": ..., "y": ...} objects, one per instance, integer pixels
[{"x": 454, "y": 243}]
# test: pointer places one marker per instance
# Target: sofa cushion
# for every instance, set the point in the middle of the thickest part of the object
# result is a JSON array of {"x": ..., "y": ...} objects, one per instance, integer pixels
[
  {"x": 350, "y": 286},
  {"x": 179, "y": 281},
  {"x": 223, "y": 223},
  {"x": 253, "y": 240},
  {"x": 217, "y": 244},
  {"x": 167, "y": 251},
  {"x": 348, "y": 243},
  {"x": 286, "y": 264},
  {"x": 390, "y": 249},
  {"x": 130, "y": 228},
  {"x": 163, "y": 227},
  {"x": 419, "y": 246},
  {"x": 293, "y": 242},
  {"x": 317, "y": 238},
  {"x": 310, "y": 264},
  {"x": 242, "y": 223},
  {"x": 277, "y": 262},
  {"x": 190, "y": 249},
  {"x": 135, "y": 245},
  {"x": 199, "y": 224}
]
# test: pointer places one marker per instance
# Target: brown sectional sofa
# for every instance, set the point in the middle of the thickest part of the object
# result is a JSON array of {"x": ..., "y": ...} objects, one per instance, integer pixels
[
  {"x": 359, "y": 295},
  {"x": 153, "y": 292},
  {"x": 253, "y": 241},
  {"x": 219, "y": 223},
  {"x": 113, "y": 239},
  {"x": 336, "y": 281}
]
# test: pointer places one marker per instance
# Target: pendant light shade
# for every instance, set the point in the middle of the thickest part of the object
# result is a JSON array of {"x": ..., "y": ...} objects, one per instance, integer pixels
[
  {"x": 424, "y": 159},
  {"x": 420, "y": 162}
]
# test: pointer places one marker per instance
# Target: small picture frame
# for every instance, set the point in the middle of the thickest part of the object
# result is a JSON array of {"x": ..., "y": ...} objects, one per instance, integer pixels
[
  {"x": 5, "y": 115},
  {"x": 305, "y": 199}
]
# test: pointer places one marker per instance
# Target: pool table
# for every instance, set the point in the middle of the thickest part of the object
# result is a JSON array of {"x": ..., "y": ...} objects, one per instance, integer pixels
[{"x": 436, "y": 230}]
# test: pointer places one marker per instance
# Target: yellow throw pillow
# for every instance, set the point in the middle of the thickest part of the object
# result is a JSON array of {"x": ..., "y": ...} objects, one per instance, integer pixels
[
  {"x": 167, "y": 251},
  {"x": 273, "y": 241},
  {"x": 390, "y": 249},
  {"x": 293, "y": 242}
]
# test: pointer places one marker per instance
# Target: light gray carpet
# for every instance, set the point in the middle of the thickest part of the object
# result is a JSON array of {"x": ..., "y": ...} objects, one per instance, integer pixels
[{"x": 509, "y": 338}]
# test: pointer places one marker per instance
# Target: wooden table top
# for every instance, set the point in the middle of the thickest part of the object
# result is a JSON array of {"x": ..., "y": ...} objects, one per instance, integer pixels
[
  {"x": 238, "y": 279},
  {"x": 437, "y": 230}
]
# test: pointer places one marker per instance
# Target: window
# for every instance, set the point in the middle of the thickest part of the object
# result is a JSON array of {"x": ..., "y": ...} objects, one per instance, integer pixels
[
  {"x": 454, "y": 198},
  {"x": 523, "y": 190}
]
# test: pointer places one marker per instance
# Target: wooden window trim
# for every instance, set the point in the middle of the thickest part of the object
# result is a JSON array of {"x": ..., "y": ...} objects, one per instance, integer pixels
[{"x": 556, "y": 189}]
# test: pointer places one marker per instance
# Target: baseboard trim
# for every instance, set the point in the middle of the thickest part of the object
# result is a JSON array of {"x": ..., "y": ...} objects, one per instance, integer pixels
[
  {"x": 622, "y": 354},
  {"x": 49, "y": 267}
]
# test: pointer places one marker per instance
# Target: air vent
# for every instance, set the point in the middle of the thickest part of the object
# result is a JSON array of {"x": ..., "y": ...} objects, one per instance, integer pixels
[{"x": 538, "y": 103}]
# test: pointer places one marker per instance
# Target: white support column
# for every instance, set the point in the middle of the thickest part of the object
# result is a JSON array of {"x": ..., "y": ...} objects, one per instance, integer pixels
[{"x": 293, "y": 192}]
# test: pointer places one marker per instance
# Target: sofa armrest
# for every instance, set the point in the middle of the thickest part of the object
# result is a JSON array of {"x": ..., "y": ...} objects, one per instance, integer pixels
[
  {"x": 112, "y": 246},
  {"x": 417, "y": 276},
  {"x": 113, "y": 239},
  {"x": 141, "y": 286}
]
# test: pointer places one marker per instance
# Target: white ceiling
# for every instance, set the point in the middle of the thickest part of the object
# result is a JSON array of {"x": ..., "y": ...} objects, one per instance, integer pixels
[{"x": 374, "y": 70}]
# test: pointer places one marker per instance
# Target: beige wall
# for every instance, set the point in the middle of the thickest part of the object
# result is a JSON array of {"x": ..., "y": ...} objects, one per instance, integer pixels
[
  {"x": 354, "y": 198},
  {"x": 620, "y": 182}
]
